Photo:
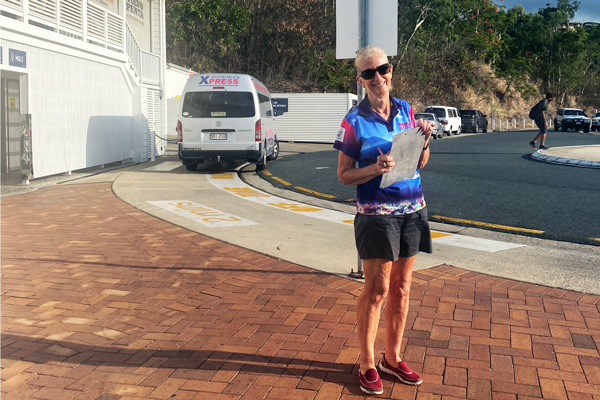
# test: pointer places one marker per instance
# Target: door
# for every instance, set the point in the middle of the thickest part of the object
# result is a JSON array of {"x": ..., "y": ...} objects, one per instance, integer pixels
[{"x": 11, "y": 125}]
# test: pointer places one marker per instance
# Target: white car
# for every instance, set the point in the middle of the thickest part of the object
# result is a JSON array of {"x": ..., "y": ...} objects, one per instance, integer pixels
[
  {"x": 448, "y": 117},
  {"x": 571, "y": 118}
]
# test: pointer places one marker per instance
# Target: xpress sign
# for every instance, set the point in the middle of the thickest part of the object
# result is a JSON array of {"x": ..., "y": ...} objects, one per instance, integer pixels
[{"x": 226, "y": 80}]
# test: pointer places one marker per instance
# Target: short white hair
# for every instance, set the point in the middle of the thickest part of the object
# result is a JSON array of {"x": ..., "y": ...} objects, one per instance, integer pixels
[{"x": 366, "y": 53}]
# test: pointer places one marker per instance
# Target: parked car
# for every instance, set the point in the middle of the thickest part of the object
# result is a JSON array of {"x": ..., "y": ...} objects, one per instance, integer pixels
[
  {"x": 438, "y": 132},
  {"x": 473, "y": 120},
  {"x": 571, "y": 118},
  {"x": 596, "y": 122},
  {"x": 449, "y": 118}
]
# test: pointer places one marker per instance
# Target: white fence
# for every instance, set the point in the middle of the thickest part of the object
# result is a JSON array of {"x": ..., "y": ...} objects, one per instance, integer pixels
[{"x": 513, "y": 124}]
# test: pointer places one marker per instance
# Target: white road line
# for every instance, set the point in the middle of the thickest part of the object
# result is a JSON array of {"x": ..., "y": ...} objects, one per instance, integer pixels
[
  {"x": 473, "y": 243},
  {"x": 202, "y": 214},
  {"x": 232, "y": 184},
  {"x": 164, "y": 166}
]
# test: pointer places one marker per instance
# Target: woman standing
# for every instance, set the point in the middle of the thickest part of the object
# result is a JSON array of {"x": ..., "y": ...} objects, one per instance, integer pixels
[{"x": 391, "y": 224}]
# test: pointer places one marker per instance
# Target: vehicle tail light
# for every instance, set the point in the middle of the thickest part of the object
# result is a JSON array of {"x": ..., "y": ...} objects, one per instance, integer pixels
[
  {"x": 444, "y": 122},
  {"x": 179, "y": 134},
  {"x": 257, "y": 132}
]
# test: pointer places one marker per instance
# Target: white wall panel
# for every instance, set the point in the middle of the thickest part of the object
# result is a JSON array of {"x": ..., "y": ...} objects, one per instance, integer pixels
[
  {"x": 312, "y": 117},
  {"x": 81, "y": 116}
]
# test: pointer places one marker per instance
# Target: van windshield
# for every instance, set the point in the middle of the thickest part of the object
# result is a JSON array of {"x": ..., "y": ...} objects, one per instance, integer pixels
[{"x": 218, "y": 105}]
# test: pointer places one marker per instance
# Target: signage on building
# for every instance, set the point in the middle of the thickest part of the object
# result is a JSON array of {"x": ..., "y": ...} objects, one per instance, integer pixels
[
  {"x": 17, "y": 58},
  {"x": 138, "y": 19},
  {"x": 280, "y": 104}
]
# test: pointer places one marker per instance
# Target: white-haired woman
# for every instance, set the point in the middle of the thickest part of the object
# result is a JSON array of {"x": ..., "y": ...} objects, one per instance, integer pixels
[{"x": 391, "y": 224}]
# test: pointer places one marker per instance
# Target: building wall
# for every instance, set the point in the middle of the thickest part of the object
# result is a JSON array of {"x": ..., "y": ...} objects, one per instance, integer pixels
[
  {"x": 88, "y": 106},
  {"x": 81, "y": 111}
]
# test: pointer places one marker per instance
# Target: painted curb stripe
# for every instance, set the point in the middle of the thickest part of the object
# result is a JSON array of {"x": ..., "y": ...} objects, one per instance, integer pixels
[{"x": 487, "y": 224}]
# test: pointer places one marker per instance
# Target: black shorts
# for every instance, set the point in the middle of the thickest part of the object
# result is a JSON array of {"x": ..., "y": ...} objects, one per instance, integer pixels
[
  {"x": 541, "y": 124},
  {"x": 392, "y": 236}
]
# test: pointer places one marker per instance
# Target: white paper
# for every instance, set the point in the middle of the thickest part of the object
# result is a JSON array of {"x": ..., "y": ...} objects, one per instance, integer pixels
[{"x": 407, "y": 147}]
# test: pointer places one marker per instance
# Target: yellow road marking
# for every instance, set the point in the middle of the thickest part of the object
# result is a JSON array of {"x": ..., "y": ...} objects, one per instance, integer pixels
[
  {"x": 297, "y": 207},
  {"x": 224, "y": 175},
  {"x": 596, "y": 239},
  {"x": 436, "y": 234},
  {"x": 267, "y": 172},
  {"x": 315, "y": 193},
  {"x": 281, "y": 181},
  {"x": 487, "y": 224}
]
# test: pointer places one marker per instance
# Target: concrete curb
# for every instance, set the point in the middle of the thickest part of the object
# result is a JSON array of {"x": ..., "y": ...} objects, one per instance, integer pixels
[{"x": 539, "y": 156}]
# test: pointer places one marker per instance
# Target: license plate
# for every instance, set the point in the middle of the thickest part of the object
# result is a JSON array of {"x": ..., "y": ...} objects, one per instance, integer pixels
[{"x": 218, "y": 136}]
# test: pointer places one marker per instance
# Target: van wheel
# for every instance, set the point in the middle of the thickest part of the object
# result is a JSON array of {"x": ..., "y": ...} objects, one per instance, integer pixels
[
  {"x": 191, "y": 167},
  {"x": 275, "y": 152},
  {"x": 262, "y": 164}
]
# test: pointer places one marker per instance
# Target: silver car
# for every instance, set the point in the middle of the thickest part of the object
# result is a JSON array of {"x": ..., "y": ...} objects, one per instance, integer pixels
[
  {"x": 438, "y": 131},
  {"x": 596, "y": 122}
]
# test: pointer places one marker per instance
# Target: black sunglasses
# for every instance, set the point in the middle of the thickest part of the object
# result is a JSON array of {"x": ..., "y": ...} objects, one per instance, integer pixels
[{"x": 383, "y": 69}]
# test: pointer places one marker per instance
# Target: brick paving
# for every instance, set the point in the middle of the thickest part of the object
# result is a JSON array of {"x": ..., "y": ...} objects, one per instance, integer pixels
[{"x": 103, "y": 301}]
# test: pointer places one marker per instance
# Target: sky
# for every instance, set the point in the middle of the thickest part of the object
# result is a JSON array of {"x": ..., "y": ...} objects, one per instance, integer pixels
[{"x": 589, "y": 10}]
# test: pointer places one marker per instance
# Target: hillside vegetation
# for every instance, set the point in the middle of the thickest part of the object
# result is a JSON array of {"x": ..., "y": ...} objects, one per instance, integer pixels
[{"x": 464, "y": 53}]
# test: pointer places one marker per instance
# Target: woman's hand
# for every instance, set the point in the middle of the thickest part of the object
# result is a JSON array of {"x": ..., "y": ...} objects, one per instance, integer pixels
[
  {"x": 427, "y": 127},
  {"x": 385, "y": 163}
]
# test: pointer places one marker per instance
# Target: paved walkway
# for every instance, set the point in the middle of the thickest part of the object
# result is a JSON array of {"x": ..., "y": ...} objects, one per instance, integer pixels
[{"x": 102, "y": 301}]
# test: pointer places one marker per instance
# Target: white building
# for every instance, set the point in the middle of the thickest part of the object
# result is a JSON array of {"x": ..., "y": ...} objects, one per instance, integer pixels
[{"x": 88, "y": 75}]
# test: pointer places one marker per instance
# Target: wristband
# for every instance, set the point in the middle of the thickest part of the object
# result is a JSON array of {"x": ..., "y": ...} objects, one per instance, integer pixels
[{"x": 426, "y": 147}]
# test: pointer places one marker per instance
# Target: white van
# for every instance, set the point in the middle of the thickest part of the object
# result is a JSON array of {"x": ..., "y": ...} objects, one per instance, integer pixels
[
  {"x": 226, "y": 117},
  {"x": 449, "y": 118}
]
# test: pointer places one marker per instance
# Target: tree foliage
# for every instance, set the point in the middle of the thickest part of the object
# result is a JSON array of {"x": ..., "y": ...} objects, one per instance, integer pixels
[{"x": 290, "y": 44}]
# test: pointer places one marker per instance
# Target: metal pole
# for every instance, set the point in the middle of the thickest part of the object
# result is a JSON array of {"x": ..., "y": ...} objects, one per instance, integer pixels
[{"x": 360, "y": 94}]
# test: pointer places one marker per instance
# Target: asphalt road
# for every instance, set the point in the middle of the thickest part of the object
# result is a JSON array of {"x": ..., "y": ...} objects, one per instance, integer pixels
[{"x": 484, "y": 178}]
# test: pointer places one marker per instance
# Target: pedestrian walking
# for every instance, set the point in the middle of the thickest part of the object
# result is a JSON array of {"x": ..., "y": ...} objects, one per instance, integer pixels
[
  {"x": 391, "y": 224},
  {"x": 539, "y": 113}
]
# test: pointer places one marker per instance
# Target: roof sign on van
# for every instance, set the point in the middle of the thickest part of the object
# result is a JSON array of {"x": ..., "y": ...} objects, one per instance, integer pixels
[
  {"x": 226, "y": 80},
  {"x": 261, "y": 88}
]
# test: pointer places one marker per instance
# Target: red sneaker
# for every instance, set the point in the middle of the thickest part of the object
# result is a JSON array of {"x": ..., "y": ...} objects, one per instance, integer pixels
[
  {"x": 405, "y": 374},
  {"x": 370, "y": 382}
]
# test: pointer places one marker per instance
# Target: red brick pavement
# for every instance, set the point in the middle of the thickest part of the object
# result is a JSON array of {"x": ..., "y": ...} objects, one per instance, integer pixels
[{"x": 102, "y": 301}]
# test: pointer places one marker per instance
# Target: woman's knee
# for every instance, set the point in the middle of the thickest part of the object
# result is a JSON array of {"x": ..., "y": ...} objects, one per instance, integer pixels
[
  {"x": 400, "y": 288},
  {"x": 376, "y": 294}
]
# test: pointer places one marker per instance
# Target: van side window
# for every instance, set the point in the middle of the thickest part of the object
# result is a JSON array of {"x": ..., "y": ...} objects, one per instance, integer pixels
[
  {"x": 218, "y": 105},
  {"x": 265, "y": 105}
]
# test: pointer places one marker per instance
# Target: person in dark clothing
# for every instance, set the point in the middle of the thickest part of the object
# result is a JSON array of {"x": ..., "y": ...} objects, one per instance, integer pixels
[{"x": 541, "y": 120}]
